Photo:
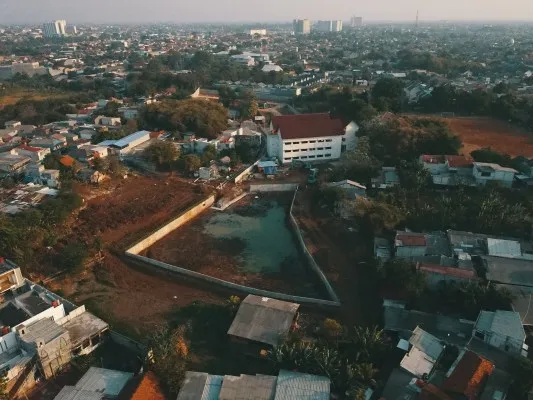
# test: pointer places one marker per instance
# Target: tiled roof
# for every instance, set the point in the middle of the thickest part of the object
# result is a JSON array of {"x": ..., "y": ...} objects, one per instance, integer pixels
[
  {"x": 302, "y": 126},
  {"x": 432, "y": 159},
  {"x": 448, "y": 271},
  {"x": 468, "y": 375},
  {"x": 459, "y": 161},
  {"x": 410, "y": 239}
]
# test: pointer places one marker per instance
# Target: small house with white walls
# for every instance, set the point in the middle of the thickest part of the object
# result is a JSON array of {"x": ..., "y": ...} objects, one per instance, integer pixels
[{"x": 310, "y": 137}]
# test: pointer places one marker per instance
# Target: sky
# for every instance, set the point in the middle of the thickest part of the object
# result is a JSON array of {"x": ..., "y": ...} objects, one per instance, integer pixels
[{"x": 184, "y": 11}]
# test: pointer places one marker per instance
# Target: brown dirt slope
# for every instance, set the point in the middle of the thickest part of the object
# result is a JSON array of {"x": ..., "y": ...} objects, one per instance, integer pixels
[{"x": 130, "y": 298}]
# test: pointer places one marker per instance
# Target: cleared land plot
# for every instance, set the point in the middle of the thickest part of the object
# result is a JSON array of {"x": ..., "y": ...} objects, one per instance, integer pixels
[
  {"x": 477, "y": 133},
  {"x": 131, "y": 298},
  {"x": 250, "y": 244}
]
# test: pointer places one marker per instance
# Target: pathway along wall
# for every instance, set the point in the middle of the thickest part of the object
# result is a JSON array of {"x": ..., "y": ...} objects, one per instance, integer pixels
[{"x": 133, "y": 253}]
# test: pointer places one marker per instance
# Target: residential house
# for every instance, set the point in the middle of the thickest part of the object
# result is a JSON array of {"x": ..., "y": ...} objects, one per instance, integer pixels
[
  {"x": 416, "y": 91},
  {"x": 36, "y": 154},
  {"x": 107, "y": 121},
  {"x": 287, "y": 385},
  {"x": 388, "y": 177},
  {"x": 87, "y": 133},
  {"x": 38, "y": 174},
  {"x": 503, "y": 330},
  {"x": 40, "y": 329},
  {"x": 12, "y": 163},
  {"x": 310, "y": 137},
  {"x": 129, "y": 112},
  {"x": 262, "y": 323},
  {"x": 97, "y": 384},
  {"x": 423, "y": 352},
  {"x": 410, "y": 244},
  {"x": 382, "y": 249},
  {"x": 467, "y": 375},
  {"x": 448, "y": 169},
  {"x": 48, "y": 143},
  {"x": 438, "y": 273},
  {"x": 489, "y": 172},
  {"x": 12, "y": 124}
]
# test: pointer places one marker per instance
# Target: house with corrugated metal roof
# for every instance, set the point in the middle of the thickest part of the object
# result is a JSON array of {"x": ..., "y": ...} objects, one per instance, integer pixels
[
  {"x": 287, "y": 385},
  {"x": 503, "y": 330},
  {"x": 262, "y": 323},
  {"x": 423, "y": 352}
]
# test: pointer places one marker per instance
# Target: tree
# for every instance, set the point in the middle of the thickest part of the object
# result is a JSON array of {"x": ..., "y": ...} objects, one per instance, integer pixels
[
  {"x": 72, "y": 256},
  {"x": 162, "y": 153},
  {"x": 209, "y": 154},
  {"x": 100, "y": 164},
  {"x": 51, "y": 161},
  {"x": 366, "y": 345},
  {"x": 248, "y": 106},
  {"x": 377, "y": 216},
  {"x": 521, "y": 371},
  {"x": 191, "y": 163},
  {"x": 205, "y": 118},
  {"x": 387, "y": 94},
  {"x": 4, "y": 393}
]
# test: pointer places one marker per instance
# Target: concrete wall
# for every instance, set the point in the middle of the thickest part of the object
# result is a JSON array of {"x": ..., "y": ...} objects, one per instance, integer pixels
[
  {"x": 229, "y": 285},
  {"x": 133, "y": 253},
  {"x": 274, "y": 187},
  {"x": 309, "y": 258},
  {"x": 239, "y": 178},
  {"x": 171, "y": 226}
]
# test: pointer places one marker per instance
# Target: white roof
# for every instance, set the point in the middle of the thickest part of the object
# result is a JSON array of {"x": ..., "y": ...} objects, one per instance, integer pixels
[
  {"x": 503, "y": 323},
  {"x": 496, "y": 167},
  {"x": 503, "y": 248},
  {"x": 423, "y": 355}
]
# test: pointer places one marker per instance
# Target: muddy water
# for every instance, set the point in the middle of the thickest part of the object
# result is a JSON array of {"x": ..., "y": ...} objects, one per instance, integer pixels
[{"x": 261, "y": 226}]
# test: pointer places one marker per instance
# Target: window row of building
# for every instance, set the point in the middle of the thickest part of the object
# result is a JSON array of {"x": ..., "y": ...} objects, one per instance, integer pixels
[
  {"x": 311, "y": 149},
  {"x": 309, "y": 141},
  {"x": 307, "y": 157}
]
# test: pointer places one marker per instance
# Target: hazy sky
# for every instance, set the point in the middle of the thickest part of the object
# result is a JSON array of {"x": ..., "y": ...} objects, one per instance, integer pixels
[{"x": 32, "y": 11}]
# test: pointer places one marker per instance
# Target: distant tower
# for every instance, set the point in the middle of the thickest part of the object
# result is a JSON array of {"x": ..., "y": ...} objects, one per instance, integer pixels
[{"x": 416, "y": 23}]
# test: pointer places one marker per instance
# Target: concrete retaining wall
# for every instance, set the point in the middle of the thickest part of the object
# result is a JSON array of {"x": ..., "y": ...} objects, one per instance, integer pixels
[
  {"x": 172, "y": 225},
  {"x": 232, "y": 286},
  {"x": 239, "y": 178},
  {"x": 309, "y": 258},
  {"x": 133, "y": 253},
  {"x": 274, "y": 187}
]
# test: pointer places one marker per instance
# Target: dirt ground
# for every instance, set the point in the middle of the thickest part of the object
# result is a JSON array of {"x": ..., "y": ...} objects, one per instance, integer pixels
[
  {"x": 342, "y": 255},
  {"x": 481, "y": 132},
  {"x": 132, "y": 299},
  {"x": 190, "y": 247}
]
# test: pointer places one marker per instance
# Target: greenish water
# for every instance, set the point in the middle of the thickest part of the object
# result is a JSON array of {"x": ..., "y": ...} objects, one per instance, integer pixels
[{"x": 267, "y": 243}]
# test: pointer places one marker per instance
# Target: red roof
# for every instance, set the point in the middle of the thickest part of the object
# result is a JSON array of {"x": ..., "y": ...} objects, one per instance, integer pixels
[
  {"x": 459, "y": 161},
  {"x": 449, "y": 271},
  {"x": 303, "y": 126},
  {"x": 432, "y": 392},
  {"x": 410, "y": 239},
  {"x": 432, "y": 159},
  {"x": 469, "y": 376},
  {"x": 30, "y": 148},
  {"x": 67, "y": 161}
]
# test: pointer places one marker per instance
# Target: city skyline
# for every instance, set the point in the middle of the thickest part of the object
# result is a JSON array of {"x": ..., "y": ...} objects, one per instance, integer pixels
[{"x": 239, "y": 11}]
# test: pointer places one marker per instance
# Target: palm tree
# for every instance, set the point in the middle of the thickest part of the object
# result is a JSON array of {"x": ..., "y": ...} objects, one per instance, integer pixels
[{"x": 367, "y": 344}]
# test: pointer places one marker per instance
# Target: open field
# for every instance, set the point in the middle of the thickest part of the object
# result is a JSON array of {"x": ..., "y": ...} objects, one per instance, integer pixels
[
  {"x": 130, "y": 298},
  {"x": 249, "y": 244},
  {"x": 11, "y": 97},
  {"x": 481, "y": 132}
]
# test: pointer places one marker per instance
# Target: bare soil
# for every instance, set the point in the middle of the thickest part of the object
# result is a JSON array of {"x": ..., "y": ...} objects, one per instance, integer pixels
[
  {"x": 126, "y": 296},
  {"x": 481, "y": 132}
]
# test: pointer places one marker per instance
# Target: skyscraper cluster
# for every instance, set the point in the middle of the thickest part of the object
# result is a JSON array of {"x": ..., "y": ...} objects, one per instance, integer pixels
[{"x": 55, "y": 28}]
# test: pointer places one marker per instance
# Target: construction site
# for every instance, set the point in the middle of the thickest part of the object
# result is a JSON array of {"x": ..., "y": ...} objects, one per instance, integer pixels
[{"x": 250, "y": 244}]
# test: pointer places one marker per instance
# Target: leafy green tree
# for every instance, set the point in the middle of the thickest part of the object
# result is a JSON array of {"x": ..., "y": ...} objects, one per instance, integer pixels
[
  {"x": 387, "y": 94},
  {"x": 51, "y": 161},
  {"x": 521, "y": 370},
  {"x": 162, "y": 153},
  {"x": 191, "y": 163},
  {"x": 72, "y": 256},
  {"x": 249, "y": 106}
]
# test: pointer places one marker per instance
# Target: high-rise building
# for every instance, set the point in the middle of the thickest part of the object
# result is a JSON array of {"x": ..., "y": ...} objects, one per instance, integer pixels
[
  {"x": 356, "y": 21},
  {"x": 329, "y": 26},
  {"x": 55, "y": 28},
  {"x": 302, "y": 26}
]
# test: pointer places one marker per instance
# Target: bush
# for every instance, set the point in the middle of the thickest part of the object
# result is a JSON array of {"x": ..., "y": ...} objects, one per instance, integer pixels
[{"x": 72, "y": 256}]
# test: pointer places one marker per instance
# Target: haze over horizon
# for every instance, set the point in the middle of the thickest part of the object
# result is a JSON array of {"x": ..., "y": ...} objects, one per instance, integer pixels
[{"x": 180, "y": 11}]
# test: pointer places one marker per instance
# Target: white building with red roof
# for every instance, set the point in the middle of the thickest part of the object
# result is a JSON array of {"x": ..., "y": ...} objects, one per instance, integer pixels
[
  {"x": 36, "y": 154},
  {"x": 310, "y": 137}
]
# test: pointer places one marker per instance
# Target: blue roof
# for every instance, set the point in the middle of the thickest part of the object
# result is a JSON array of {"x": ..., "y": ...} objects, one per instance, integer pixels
[
  {"x": 263, "y": 164},
  {"x": 125, "y": 141},
  {"x": 107, "y": 143},
  {"x": 298, "y": 386}
]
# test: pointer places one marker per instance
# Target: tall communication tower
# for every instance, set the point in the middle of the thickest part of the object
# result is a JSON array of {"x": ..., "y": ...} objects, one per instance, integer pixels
[{"x": 416, "y": 21}]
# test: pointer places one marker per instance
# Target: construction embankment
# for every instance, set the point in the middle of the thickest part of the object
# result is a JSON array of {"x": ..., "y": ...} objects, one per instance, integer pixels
[{"x": 134, "y": 253}]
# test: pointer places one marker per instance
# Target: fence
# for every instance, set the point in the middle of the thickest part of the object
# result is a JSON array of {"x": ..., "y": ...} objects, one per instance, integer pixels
[{"x": 245, "y": 173}]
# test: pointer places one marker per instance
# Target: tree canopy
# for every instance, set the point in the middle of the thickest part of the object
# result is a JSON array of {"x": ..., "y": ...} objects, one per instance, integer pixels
[{"x": 204, "y": 118}]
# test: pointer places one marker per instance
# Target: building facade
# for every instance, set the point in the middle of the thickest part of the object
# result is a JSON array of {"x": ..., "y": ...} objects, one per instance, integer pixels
[
  {"x": 310, "y": 137},
  {"x": 55, "y": 28},
  {"x": 302, "y": 26},
  {"x": 329, "y": 26}
]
